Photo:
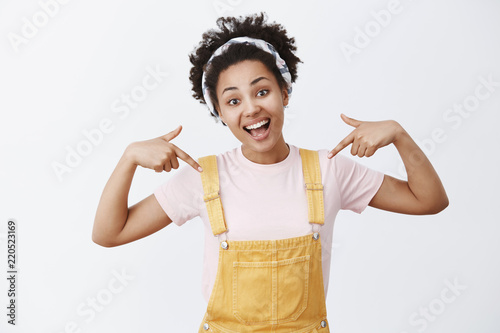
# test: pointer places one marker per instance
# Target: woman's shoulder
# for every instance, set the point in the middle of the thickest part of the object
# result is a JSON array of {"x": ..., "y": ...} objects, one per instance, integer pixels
[
  {"x": 224, "y": 157},
  {"x": 339, "y": 164},
  {"x": 224, "y": 154},
  {"x": 322, "y": 153}
]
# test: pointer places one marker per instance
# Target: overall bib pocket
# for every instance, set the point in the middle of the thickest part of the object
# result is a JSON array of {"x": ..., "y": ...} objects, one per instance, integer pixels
[{"x": 270, "y": 292}]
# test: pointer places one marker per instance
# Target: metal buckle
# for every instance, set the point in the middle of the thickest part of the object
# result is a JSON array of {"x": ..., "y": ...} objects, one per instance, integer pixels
[
  {"x": 211, "y": 196},
  {"x": 314, "y": 186}
]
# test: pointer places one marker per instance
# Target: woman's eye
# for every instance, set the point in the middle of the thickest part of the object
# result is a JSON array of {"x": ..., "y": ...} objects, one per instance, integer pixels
[
  {"x": 232, "y": 101},
  {"x": 262, "y": 92}
]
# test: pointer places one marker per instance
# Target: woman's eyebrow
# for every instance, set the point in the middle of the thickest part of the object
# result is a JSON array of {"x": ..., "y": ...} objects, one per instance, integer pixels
[
  {"x": 227, "y": 89},
  {"x": 258, "y": 79},
  {"x": 254, "y": 82}
]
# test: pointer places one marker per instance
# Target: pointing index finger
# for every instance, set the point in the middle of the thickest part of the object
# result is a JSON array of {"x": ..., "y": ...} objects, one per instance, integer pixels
[
  {"x": 188, "y": 159},
  {"x": 342, "y": 144}
]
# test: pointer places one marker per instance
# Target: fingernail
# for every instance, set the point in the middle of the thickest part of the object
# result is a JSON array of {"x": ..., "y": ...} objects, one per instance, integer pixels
[
  {"x": 200, "y": 169},
  {"x": 330, "y": 155}
]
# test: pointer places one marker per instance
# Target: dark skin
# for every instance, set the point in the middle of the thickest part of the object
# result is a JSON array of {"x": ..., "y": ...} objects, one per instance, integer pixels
[
  {"x": 423, "y": 193},
  {"x": 255, "y": 95}
]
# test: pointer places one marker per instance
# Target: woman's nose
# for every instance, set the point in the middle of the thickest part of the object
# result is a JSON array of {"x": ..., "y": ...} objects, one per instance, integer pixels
[{"x": 253, "y": 106}]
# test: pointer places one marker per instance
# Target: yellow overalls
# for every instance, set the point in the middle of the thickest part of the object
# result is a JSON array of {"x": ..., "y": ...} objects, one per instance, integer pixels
[{"x": 267, "y": 285}]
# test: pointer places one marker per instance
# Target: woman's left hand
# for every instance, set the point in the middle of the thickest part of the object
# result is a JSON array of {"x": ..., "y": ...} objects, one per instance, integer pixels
[{"x": 368, "y": 136}]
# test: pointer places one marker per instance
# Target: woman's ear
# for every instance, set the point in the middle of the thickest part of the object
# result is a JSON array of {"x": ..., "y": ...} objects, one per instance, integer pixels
[
  {"x": 285, "y": 96},
  {"x": 221, "y": 117}
]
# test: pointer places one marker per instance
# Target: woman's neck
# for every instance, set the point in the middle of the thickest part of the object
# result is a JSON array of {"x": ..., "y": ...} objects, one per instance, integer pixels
[{"x": 277, "y": 154}]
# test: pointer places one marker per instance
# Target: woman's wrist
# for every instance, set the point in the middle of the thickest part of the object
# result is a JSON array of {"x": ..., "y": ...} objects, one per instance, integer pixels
[
  {"x": 400, "y": 132},
  {"x": 129, "y": 155}
]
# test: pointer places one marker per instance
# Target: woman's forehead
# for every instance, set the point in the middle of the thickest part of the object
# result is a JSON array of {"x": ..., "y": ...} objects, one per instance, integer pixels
[{"x": 244, "y": 74}]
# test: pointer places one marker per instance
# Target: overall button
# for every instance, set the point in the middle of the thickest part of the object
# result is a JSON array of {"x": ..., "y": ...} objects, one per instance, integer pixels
[
  {"x": 323, "y": 323},
  {"x": 205, "y": 327},
  {"x": 224, "y": 245},
  {"x": 316, "y": 236}
]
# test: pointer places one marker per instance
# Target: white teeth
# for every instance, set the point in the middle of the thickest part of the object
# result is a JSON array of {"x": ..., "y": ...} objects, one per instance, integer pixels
[{"x": 259, "y": 124}]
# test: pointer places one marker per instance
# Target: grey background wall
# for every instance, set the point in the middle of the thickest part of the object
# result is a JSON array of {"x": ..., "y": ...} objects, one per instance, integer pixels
[{"x": 68, "y": 67}]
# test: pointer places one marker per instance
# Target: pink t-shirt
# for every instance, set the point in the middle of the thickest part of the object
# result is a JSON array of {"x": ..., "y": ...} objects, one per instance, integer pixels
[{"x": 267, "y": 201}]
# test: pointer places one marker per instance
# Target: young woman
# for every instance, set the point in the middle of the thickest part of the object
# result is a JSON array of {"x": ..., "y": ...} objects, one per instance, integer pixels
[{"x": 268, "y": 207}]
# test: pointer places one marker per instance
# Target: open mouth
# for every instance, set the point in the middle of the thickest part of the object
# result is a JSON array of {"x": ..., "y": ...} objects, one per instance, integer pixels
[{"x": 258, "y": 129}]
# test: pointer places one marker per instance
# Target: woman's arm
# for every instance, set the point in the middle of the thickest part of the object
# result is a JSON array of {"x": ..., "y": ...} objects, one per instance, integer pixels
[
  {"x": 423, "y": 193},
  {"x": 115, "y": 223}
]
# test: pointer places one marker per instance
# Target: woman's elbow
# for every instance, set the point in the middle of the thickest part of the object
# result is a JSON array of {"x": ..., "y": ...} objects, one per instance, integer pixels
[
  {"x": 102, "y": 242},
  {"x": 438, "y": 207}
]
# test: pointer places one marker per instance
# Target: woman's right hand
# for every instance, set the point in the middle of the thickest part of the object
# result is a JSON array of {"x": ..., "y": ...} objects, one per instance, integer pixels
[{"x": 159, "y": 154}]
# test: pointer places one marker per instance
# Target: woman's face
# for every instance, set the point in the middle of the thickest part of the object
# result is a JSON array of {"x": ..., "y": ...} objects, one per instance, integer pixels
[{"x": 249, "y": 94}]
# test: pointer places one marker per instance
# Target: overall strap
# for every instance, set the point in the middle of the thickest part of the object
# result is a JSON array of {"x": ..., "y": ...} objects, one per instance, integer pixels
[
  {"x": 210, "y": 180},
  {"x": 313, "y": 184}
]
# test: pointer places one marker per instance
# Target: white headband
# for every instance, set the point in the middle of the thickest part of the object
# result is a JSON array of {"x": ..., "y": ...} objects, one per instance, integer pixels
[{"x": 261, "y": 44}]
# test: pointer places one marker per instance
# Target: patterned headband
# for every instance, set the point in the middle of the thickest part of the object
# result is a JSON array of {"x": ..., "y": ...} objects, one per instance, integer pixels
[{"x": 261, "y": 44}]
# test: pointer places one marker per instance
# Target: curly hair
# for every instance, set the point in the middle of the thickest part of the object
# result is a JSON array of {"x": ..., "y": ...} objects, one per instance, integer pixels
[{"x": 254, "y": 26}]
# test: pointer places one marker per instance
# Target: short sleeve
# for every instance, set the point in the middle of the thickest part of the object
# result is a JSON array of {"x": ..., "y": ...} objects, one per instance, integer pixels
[
  {"x": 358, "y": 184},
  {"x": 181, "y": 194}
]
